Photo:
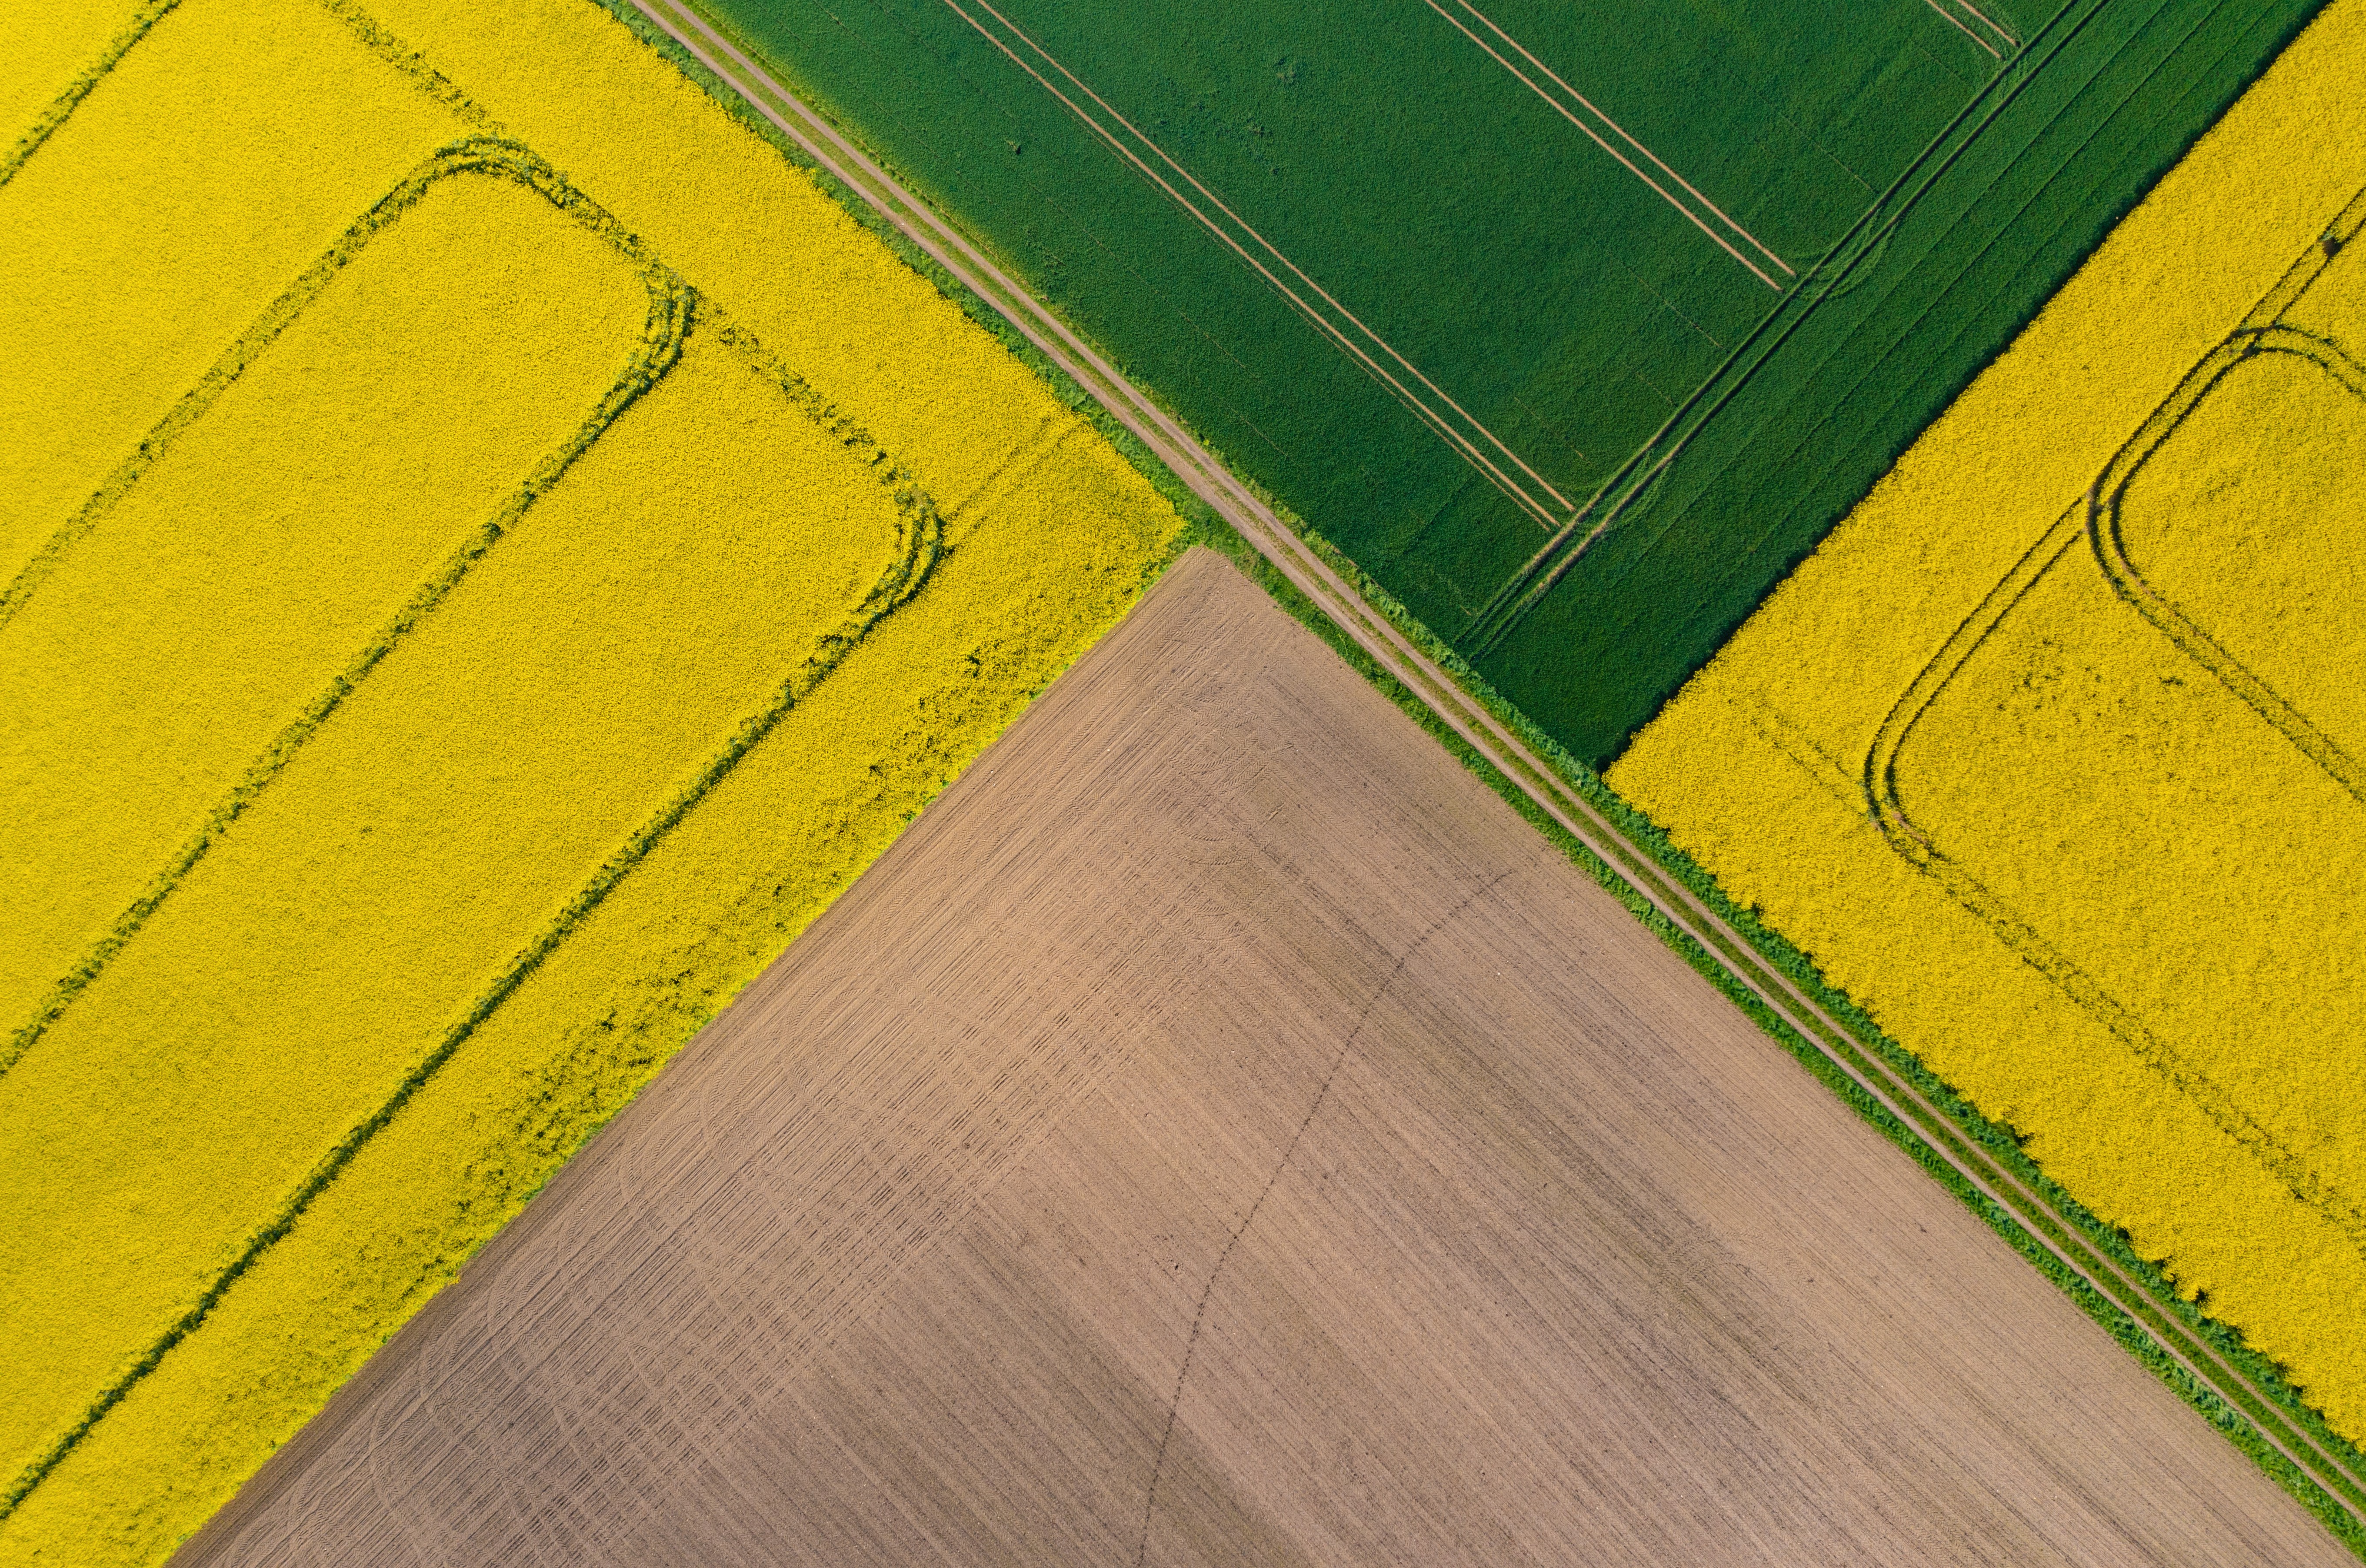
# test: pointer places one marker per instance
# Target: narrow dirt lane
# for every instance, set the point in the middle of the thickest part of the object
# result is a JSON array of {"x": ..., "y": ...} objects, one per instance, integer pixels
[{"x": 2013, "y": 1189}]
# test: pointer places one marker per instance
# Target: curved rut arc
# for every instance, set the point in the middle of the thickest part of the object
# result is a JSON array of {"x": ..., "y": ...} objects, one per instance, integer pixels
[
  {"x": 669, "y": 309},
  {"x": 674, "y": 307},
  {"x": 920, "y": 547},
  {"x": 2111, "y": 552},
  {"x": 2096, "y": 521}
]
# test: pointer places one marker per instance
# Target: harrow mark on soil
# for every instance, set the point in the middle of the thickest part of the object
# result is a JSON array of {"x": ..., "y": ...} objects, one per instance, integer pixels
[{"x": 1889, "y": 1092}]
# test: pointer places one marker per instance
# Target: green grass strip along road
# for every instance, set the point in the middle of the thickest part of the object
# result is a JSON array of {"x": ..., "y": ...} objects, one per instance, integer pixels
[{"x": 2235, "y": 1390}]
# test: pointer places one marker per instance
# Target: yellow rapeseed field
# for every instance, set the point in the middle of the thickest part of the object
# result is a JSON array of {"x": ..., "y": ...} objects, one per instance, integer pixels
[
  {"x": 288, "y": 527},
  {"x": 476, "y": 617},
  {"x": 244, "y": 139},
  {"x": 49, "y": 49},
  {"x": 2051, "y": 755}
]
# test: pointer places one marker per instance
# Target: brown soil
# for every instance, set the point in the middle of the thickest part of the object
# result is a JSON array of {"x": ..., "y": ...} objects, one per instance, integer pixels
[{"x": 1222, "y": 1131}]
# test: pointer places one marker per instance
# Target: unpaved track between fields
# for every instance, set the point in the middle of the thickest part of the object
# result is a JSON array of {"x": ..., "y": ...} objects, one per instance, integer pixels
[
  {"x": 1221, "y": 1131},
  {"x": 1896, "y": 1094}
]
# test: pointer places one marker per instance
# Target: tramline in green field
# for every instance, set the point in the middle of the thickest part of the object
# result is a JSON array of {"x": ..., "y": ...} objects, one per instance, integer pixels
[
  {"x": 1417, "y": 266},
  {"x": 1432, "y": 273}
]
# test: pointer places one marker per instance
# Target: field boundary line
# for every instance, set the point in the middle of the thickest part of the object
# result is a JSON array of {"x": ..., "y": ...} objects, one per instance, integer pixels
[
  {"x": 1620, "y": 132},
  {"x": 1462, "y": 441},
  {"x": 1850, "y": 275},
  {"x": 1892, "y": 394},
  {"x": 1865, "y": 243},
  {"x": 658, "y": 349},
  {"x": 2317, "y": 1471},
  {"x": 674, "y": 307}
]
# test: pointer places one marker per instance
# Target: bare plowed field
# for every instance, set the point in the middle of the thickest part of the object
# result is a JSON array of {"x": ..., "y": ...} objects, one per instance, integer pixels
[{"x": 1220, "y": 1131}]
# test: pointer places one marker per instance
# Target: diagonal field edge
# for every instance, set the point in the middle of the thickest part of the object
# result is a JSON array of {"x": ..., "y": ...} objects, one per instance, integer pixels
[
  {"x": 658, "y": 349},
  {"x": 2321, "y": 1463},
  {"x": 1706, "y": 485},
  {"x": 1860, "y": 245},
  {"x": 1879, "y": 800}
]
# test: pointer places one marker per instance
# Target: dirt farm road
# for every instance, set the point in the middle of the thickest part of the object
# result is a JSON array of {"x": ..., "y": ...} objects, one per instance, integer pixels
[
  {"x": 2010, "y": 1189},
  {"x": 1221, "y": 1131}
]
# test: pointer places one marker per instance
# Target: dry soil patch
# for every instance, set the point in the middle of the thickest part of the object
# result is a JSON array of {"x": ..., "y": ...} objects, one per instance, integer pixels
[{"x": 1220, "y": 1131}]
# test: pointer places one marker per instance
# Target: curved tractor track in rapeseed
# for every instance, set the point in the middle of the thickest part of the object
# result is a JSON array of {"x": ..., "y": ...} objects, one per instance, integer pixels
[
  {"x": 2105, "y": 536},
  {"x": 675, "y": 310},
  {"x": 2098, "y": 521}
]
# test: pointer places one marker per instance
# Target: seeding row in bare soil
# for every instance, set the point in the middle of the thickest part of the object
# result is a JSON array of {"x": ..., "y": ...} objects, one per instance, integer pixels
[{"x": 1221, "y": 1131}]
